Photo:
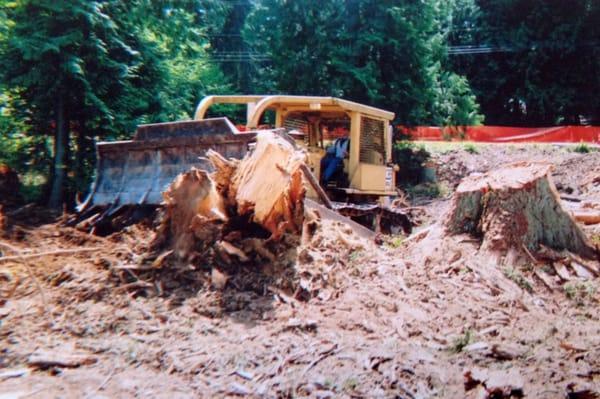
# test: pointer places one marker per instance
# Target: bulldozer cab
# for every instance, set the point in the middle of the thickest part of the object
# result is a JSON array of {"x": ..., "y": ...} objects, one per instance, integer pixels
[{"x": 316, "y": 123}]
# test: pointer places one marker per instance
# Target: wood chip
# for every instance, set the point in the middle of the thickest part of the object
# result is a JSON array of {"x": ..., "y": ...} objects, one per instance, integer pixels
[
  {"x": 476, "y": 347},
  {"x": 581, "y": 271},
  {"x": 218, "y": 279},
  {"x": 46, "y": 360},
  {"x": 506, "y": 352},
  {"x": 160, "y": 260},
  {"x": 544, "y": 278},
  {"x": 572, "y": 347},
  {"x": 232, "y": 250},
  {"x": 562, "y": 271},
  {"x": 238, "y": 389},
  {"x": 14, "y": 373}
]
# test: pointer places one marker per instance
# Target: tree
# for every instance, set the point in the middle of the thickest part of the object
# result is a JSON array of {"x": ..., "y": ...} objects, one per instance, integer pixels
[
  {"x": 224, "y": 22},
  {"x": 542, "y": 68},
  {"x": 173, "y": 36},
  {"x": 386, "y": 53},
  {"x": 93, "y": 70},
  {"x": 63, "y": 58}
]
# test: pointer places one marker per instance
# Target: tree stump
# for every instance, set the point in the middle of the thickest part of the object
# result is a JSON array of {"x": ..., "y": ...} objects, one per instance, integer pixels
[
  {"x": 232, "y": 210},
  {"x": 515, "y": 207}
]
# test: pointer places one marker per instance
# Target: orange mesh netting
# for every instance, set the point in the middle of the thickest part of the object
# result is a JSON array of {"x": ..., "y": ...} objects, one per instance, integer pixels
[{"x": 501, "y": 134}]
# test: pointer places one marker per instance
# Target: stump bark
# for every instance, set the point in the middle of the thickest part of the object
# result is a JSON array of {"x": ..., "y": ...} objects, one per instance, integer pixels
[{"x": 516, "y": 207}]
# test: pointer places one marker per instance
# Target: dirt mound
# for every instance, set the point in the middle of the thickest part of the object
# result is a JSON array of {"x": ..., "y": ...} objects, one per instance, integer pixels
[{"x": 336, "y": 316}]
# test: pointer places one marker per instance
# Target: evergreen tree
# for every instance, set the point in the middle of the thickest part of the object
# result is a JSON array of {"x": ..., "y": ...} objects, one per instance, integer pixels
[
  {"x": 63, "y": 58},
  {"x": 386, "y": 53},
  {"x": 95, "y": 69},
  {"x": 224, "y": 22},
  {"x": 544, "y": 59}
]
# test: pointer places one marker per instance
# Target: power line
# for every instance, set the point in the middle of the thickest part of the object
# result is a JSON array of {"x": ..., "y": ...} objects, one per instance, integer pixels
[{"x": 486, "y": 49}]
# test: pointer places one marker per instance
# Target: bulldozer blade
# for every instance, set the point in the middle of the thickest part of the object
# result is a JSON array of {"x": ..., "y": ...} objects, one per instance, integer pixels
[{"x": 137, "y": 171}]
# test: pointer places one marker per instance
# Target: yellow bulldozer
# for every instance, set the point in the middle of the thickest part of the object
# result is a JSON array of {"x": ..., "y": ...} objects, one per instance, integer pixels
[{"x": 137, "y": 171}]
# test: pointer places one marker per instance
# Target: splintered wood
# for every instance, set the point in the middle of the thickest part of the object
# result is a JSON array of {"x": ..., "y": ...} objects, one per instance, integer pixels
[
  {"x": 264, "y": 191},
  {"x": 516, "y": 207},
  {"x": 194, "y": 209},
  {"x": 268, "y": 185}
]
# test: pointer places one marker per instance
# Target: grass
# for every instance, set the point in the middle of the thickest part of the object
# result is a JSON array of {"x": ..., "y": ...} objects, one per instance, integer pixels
[
  {"x": 582, "y": 148},
  {"x": 459, "y": 343},
  {"x": 444, "y": 147},
  {"x": 354, "y": 261},
  {"x": 351, "y": 384},
  {"x": 395, "y": 242},
  {"x": 355, "y": 255},
  {"x": 428, "y": 190},
  {"x": 518, "y": 278},
  {"x": 579, "y": 291},
  {"x": 471, "y": 148}
]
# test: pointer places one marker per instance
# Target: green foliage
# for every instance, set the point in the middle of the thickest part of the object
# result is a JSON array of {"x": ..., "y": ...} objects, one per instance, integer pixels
[
  {"x": 411, "y": 162},
  {"x": 543, "y": 70},
  {"x": 224, "y": 22},
  {"x": 471, "y": 148},
  {"x": 117, "y": 64},
  {"x": 517, "y": 277},
  {"x": 25, "y": 153},
  {"x": 581, "y": 148},
  {"x": 395, "y": 242},
  {"x": 111, "y": 64},
  {"x": 389, "y": 54},
  {"x": 173, "y": 42},
  {"x": 462, "y": 341},
  {"x": 580, "y": 291}
]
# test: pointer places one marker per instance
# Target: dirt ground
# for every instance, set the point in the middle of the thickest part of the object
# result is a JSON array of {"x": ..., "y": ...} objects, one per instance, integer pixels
[{"x": 380, "y": 320}]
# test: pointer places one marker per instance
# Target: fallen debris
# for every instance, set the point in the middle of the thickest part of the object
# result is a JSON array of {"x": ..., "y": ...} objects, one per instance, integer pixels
[
  {"x": 58, "y": 252},
  {"x": 14, "y": 373},
  {"x": 576, "y": 391},
  {"x": 44, "y": 360},
  {"x": 586, "y": 216},
  {"x": 335, "y": 316}
]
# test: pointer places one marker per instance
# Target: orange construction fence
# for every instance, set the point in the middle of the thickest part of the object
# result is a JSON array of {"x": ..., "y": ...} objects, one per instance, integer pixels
[{"x": 501, "y": 134}]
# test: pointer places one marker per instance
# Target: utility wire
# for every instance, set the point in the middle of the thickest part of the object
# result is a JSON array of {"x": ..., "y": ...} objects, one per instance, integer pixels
[{"x": 486, "y": 49}]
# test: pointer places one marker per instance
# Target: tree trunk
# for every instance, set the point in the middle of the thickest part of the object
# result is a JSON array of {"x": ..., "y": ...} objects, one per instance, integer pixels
[
  {"x": 84, "y": 151},
  {"x": 515, "y": 207},
  {"x": 61, "y": 143}
]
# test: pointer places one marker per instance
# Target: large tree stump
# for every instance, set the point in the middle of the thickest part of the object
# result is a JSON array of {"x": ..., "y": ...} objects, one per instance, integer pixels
[
  {"x": 515, "y": 207},
  {"x": 220, "y": 212}
]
